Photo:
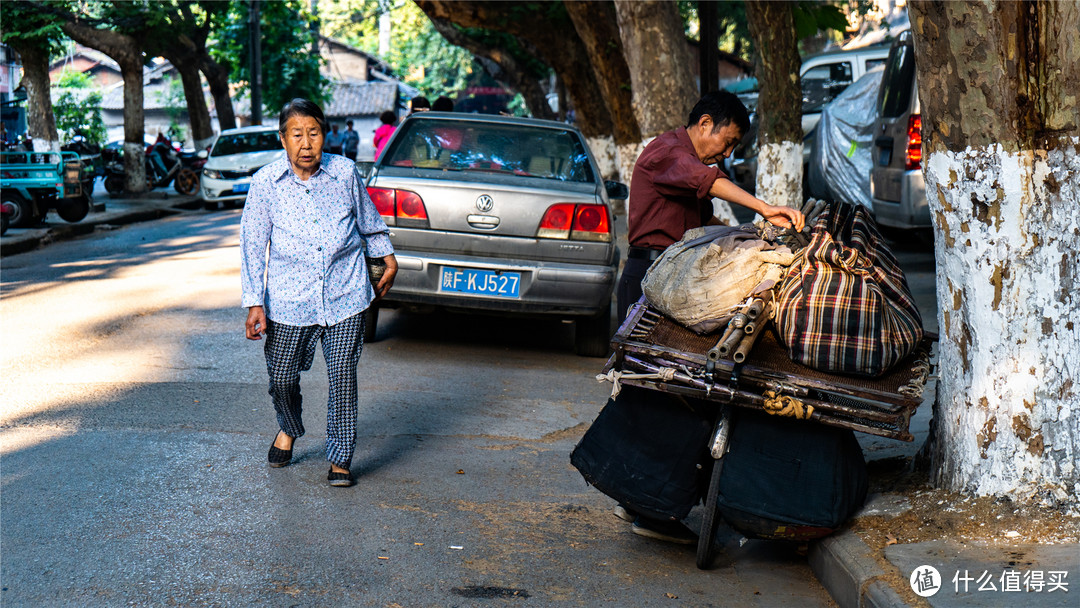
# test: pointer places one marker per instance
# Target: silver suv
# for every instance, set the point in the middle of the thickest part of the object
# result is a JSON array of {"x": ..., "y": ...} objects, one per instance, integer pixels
[
  {"x": 896, "y": 179},
  {"x": 496, "y": 214}
]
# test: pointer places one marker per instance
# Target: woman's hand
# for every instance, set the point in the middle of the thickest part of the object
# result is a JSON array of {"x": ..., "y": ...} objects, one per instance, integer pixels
[
  {"x": 387, "y": 280},
  {"x": 255, "y": 326}
]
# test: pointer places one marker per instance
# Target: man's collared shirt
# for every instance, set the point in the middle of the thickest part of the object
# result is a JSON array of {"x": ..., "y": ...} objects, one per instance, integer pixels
[
  {"x": 669, "y": 191},
  {"x": 316, "y": 232}
]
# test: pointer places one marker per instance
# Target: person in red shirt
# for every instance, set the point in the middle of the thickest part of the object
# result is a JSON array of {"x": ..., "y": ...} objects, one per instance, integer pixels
[
  {"x": 674, "y": 182},
  {"x": 382, "y": 134}
]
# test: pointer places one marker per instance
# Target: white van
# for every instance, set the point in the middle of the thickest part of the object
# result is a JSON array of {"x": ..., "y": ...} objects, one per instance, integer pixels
[{"x": 823, "y": 77}]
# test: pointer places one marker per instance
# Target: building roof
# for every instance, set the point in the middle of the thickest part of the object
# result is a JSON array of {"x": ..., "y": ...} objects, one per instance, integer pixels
[{"x": 361, "y": 99}]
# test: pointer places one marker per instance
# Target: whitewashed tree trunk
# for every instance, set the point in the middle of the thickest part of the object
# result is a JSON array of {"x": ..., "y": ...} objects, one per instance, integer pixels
[
  {"x": 999, "y": 85},
  {"x": 1008, "y": 415},
  {"x": 780, "y": 173},
  {"x": 779, "y": 160}
]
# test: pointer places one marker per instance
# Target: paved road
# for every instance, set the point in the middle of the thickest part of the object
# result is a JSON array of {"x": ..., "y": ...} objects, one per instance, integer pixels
[{"x": 134, "y": 424}]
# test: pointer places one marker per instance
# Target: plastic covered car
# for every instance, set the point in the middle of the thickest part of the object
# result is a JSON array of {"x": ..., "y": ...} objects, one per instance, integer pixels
[{"x": 840, "y": 157}]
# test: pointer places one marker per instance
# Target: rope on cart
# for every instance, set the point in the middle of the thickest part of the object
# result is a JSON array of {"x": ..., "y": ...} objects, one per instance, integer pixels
[
  {"x": 784, "y": 405},
  {"x": 665, "y": 374}
]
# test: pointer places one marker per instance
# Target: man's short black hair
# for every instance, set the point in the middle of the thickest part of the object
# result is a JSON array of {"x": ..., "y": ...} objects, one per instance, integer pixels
[
  {"x": 301, "y": 107},
  {"x": 724, "y": 108},
  {"x": 420, "y": 102},
  {"x": 443, "y": 104}
]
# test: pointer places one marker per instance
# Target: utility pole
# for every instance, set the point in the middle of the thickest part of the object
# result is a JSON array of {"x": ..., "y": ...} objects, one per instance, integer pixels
[
  {"x": 254, "y": 29},
  {"x": 708, "y": 54}
]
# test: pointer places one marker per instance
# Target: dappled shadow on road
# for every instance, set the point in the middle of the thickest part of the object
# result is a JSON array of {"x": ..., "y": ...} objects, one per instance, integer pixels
[{"x": 96, "y": 257}]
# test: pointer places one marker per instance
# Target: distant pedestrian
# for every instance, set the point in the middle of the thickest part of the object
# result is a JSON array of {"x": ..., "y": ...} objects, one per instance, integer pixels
[
  {"x": 350, "y": 142},
  {"x": 443, "y": 104},
  {"x": 334, "y": 140},
  {"x": 307, "y": 226},
  {"x": 419, "y": 104},
  {"x": 382, "y": 134}
]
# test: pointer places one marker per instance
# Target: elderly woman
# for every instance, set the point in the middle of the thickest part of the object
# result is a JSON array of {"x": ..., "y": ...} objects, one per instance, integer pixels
[{"x": 314, "y": 217}]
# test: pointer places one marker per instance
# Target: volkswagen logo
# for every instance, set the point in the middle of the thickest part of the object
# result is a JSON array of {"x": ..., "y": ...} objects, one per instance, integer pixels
[{"x": 484, "y": 203}]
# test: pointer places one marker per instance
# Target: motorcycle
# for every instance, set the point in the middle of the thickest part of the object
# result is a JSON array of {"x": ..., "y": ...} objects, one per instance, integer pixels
[{"x": 163, "y": 166}]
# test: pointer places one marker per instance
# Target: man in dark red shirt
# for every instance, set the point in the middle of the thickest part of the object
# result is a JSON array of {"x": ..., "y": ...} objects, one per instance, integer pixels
[{"x": 675, "y": 180}]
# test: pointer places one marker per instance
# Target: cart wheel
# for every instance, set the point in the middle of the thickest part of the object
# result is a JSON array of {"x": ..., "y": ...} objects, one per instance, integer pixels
[
  {"x": 23, "y": 212},
  {"x": 74, "y": 210},
  {"x": 711, "y": 522}
]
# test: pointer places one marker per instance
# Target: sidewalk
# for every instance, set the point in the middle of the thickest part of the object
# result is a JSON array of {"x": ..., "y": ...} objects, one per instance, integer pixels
[
  {"x": 1000, "y": 555},
  {"x": 106, "y": 211}
]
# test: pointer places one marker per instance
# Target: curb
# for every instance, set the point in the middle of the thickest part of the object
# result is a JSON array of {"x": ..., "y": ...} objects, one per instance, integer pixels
[
  {"x": 846, "y": 567},
  {"x": 32, "y": 240}
]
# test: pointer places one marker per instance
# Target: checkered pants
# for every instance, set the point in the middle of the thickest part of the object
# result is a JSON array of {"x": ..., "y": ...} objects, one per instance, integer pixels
[{"x": 291, "y": 350}]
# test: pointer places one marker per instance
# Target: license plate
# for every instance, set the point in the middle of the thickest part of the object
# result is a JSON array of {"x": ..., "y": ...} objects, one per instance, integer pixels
[
  {"x": 481, "y": 282},
  {"x": 241, "y": 187}
]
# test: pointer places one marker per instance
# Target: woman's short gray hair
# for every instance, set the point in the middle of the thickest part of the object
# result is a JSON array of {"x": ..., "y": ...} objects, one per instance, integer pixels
[{"x": 301, "y": 107}]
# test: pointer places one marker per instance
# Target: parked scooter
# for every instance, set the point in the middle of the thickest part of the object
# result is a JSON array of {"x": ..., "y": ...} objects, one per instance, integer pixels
[{"x": 163, "y": 165}]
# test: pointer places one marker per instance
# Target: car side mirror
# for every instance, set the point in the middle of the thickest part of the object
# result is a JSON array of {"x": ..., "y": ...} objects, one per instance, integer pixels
[{"x": 617, "y": 190}]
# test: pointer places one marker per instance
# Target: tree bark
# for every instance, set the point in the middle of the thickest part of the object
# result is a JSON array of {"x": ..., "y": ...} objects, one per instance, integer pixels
[
  {"x": 661, "y": 79},
  {"x": 40, "y": 121},
  {"x": 125, "y": 51},
  {"x": 217, "y": 77},
  {"x": 565, "y": 54},
  {"x": 779, "y": 110},
  {"x": 183, "y": 43},
  {"x": 998, "y": 85},
  {"x": 502, "y": 66}
]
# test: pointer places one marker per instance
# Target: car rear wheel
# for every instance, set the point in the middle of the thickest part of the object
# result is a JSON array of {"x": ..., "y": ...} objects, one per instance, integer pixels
[
  {"x": 75, "y": 210},
  {"x": 592, "y": 335}
]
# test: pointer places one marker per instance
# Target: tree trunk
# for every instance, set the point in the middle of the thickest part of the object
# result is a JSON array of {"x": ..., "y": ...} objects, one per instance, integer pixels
[
  {"x": 548, "y": 34},
  {"x": 502, "y": 66},
  {"x": 40, "y": 121},
  {"x": 779, "y": 110},
  {"x": 125, "y": 50},
  {"x": 217, "y": 76},
  {"x": 202, "y": 132},
  {"x": 998, "y": 84},
  {"x": 661, "y": 79}
]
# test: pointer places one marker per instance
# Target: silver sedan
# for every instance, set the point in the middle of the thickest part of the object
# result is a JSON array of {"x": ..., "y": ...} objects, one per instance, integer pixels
[{"x": 488, "y": 213}]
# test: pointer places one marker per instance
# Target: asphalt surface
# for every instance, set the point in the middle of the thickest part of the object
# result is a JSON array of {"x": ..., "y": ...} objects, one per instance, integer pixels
[{"x": 134, "y": 424}]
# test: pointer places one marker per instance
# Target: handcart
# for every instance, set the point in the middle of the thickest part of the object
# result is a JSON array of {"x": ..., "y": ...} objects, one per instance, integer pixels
[{"x": 654, "y": 352}]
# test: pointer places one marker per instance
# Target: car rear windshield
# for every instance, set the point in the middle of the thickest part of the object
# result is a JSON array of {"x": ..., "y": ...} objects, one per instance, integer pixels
[
  {"x": 238, "y": 143},
  {"x": 522, "y": 150},
  {"x": 897, "y": 81}
]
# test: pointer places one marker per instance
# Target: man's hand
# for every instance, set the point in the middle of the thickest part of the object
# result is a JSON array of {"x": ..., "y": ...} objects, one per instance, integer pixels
[
  {"x": 387, "y": 280},
  {"x": 255, "y": 325},
  {"x": 785, "y": 217}
]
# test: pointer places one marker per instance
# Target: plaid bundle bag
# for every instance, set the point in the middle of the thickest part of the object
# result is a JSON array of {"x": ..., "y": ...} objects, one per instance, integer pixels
[{"x": 845, "y": 306}]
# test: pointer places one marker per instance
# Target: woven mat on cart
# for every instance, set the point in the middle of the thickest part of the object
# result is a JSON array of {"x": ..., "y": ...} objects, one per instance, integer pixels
[{"x": 655, "y": 352}]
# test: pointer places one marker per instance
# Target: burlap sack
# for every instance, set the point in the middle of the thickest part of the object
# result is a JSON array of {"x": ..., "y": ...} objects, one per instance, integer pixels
[{"x": 700, "y": 280}]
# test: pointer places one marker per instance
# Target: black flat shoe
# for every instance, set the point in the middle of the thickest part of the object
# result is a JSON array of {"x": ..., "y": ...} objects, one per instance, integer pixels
[
  {"x": 339, "y": 480},
  {"x": 278, "y": 457}
]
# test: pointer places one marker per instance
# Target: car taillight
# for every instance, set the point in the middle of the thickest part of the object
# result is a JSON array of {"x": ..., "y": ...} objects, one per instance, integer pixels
[
  {"x": 384, "y": 201},
  {"x": 394, "y": 205},
  {"x": 410, "y": 206},
  {"x": 587, "y": 222},
  {"x": 914, "y": 143}
]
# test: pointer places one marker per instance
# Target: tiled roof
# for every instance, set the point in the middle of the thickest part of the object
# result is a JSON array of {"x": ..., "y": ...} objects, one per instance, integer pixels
[{"x": 361, "y": 99}]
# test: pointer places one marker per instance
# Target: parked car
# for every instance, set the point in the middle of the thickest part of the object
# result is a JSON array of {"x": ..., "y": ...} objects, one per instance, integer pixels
[
  {"x": 896, "y": 179},
  {"x": 496, "y": 214},
  {"x": 235, "y": 157},
  {"x": 823, "y": 77}
]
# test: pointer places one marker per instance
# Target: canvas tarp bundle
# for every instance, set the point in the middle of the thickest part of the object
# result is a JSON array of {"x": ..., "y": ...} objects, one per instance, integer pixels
[
  {"x": 703, "y": 278},
  {"x": 844, "y": 305}
]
